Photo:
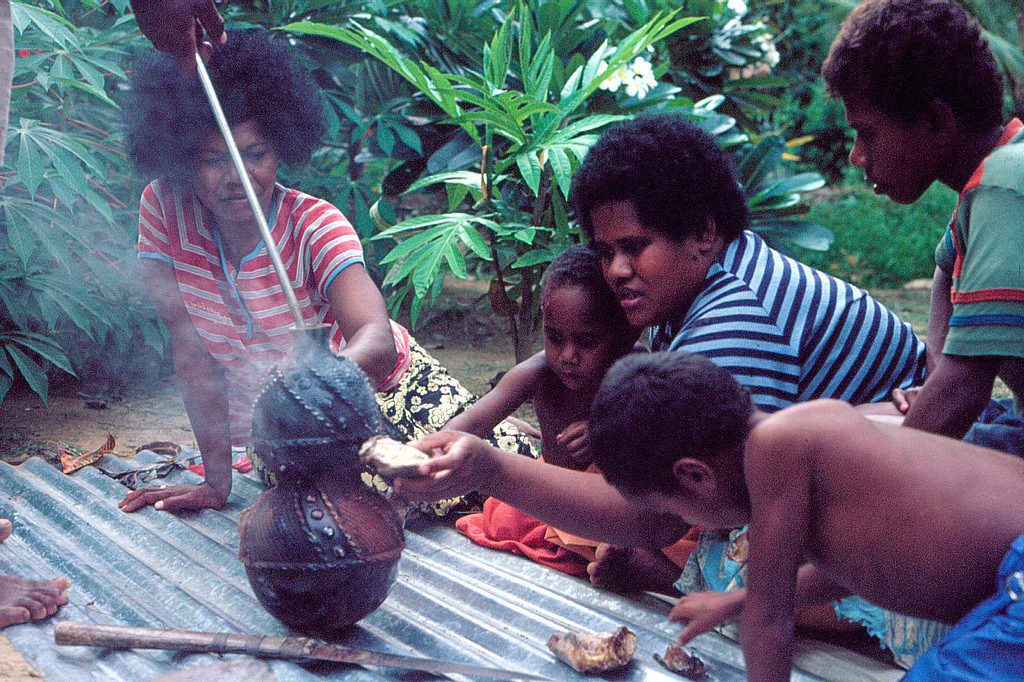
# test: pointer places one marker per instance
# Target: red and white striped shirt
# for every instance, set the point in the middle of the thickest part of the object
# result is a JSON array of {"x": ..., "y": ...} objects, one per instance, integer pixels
[{"x": 241, "y": 313}]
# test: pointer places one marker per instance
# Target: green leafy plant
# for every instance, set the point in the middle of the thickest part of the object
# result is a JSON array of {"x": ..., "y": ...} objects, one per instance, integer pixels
[
  {"x": 531, "y": 130},
  {"x": 527, "y": 116},
  {"x": 65, "y": 288}
]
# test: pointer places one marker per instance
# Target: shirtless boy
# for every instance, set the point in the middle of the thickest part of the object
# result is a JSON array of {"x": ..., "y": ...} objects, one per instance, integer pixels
[{"x": 837, "y": 505}]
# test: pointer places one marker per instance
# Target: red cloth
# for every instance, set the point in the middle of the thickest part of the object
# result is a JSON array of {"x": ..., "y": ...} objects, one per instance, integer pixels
[
  {"x": 503, "y": 527},
  {"x": 242, "y": 466}
]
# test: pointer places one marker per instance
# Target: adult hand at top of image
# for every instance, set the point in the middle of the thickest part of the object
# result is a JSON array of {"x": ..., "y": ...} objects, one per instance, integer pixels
[
  {"x": 459, "y": 463},
  {"x": 176, "y": 26}
]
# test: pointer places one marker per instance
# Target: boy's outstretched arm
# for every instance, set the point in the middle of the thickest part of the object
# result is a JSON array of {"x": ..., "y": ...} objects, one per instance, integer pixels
[
  {"x": 778, "y": 472},
  {"x": 515, "y": 387},
  {"x": 573, "y": 501}
]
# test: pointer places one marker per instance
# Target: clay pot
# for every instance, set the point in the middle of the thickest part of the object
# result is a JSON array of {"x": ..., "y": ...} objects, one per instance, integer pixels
[
  {"x": 320, "y": 557},
  {"x": 312, "y": 414}
]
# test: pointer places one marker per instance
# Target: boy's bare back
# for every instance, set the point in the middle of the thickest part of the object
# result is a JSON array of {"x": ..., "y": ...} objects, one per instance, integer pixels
[{"x": 913, "y": 522}]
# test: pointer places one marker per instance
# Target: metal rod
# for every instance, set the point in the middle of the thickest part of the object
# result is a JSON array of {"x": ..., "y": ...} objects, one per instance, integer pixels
[{"x": 250, "y": 193}]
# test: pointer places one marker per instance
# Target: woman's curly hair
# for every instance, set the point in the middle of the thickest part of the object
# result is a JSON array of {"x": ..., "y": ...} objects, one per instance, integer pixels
[
  {"x": 903, "y": 54},
  {"x": 256, "y": 78},
  {"x": 672, "y": 172}
]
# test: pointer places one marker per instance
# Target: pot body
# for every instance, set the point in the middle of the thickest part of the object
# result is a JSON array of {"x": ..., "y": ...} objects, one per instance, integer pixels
[{"x": 321, "y": 556}]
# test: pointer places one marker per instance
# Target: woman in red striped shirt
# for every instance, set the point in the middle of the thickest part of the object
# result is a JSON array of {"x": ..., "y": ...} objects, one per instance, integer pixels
[{"x": 208, "y": 272}]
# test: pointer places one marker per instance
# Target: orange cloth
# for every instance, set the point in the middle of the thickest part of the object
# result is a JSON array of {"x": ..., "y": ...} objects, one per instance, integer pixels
[
  {"x": 681, "y": 550},
  {"x": 503, "y": 527}
]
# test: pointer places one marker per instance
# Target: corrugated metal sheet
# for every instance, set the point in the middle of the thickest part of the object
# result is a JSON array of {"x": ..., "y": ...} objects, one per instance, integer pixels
[{"x": 453, "y": 600}]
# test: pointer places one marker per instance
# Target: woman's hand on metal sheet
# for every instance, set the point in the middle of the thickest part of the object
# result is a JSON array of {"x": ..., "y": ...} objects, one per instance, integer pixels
[{"x": 174, "y": 498}]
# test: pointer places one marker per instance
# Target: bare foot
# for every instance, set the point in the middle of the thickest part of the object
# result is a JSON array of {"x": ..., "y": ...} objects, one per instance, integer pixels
[
  {"x": 25, "y": 600},
  {"x": 632, "y": 569}
]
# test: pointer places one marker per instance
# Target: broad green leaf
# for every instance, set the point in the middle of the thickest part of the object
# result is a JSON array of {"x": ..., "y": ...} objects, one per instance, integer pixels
[
  {"x": 800, "y": 232},
  {"x": 408, "y": 136},
  {"x": 530, "y": 168},
  {"x": 5, "y": 364},
  {"x": 385, "y": 138},
  {"x": 30, "y": 163},
  {"x": 45, "y": 348},
  {"x": 34, "y": 375},
  {"x": 759, "y": 162},
  {"x": 467, "y": 178},
  {"x": 592, "y": 122},
  {"x": 802, "y": 182},
  {"x": 86, "y": 87},
  {"x": 456, "y": 261},
  {"x": 561, "y": 168},
  {"x": 535, "y": 257},
  {"x": 21, "y": 239},
  {"x": 474, "y": 241}
]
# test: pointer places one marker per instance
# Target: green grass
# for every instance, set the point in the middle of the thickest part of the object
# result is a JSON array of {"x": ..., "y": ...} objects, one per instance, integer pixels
[{"x": 879, "y": 243}]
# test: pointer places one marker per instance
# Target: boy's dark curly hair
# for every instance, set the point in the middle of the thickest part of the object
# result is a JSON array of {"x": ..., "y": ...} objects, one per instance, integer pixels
[
  {"x": 580, "y": 266},
  {"x": 673, "y": 173},
  {"x": 902, "y": 54},
  {"x": 654, "y": 408},
  {"x": 256, "y": 77}
]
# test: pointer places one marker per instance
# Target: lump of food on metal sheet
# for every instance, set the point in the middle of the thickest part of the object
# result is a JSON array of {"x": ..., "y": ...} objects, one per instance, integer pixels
[
  {"x": 594, "y": 653},
  {"x": 320, "y": 556},
  {"x": 678, "y": 661},
  {"x": 313, "y": 412},
  {"x": 389, "y": 458}
]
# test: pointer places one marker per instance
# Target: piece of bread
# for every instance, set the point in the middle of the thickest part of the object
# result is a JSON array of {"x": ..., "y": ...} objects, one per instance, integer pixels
[
  {"x": 594, "y": 653},
  {"x": 391, "y": 459}
]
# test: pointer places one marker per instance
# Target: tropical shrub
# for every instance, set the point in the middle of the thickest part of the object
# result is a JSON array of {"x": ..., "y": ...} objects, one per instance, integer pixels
[
  {"x": 519, "y": 125},
  {"x": 879, "y": 243},
  {"x": 66, "y": 225}
]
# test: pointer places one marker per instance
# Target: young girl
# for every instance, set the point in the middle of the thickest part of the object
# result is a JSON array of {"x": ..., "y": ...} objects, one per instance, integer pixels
[{"x": 585, "y": 332}]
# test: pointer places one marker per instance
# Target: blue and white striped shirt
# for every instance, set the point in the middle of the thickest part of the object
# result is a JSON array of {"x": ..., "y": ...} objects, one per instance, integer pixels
[{"x": 790, "y": 333}]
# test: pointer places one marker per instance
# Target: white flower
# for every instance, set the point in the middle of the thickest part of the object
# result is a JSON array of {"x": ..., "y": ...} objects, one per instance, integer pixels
[
  {"x": 739, "y": 7},
  {"x": 642, "y": 68},
  {"x": 764, "y": 43},
  {"x": 635, "y": 88},
  {"x": 641, "y": 82}
]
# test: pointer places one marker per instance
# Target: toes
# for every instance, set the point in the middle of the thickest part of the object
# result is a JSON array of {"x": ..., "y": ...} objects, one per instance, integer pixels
[
  {"x": 5, "y": 529},
  {"x": 13, "y": 615},
  {"x": 36, "y": 607}
]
